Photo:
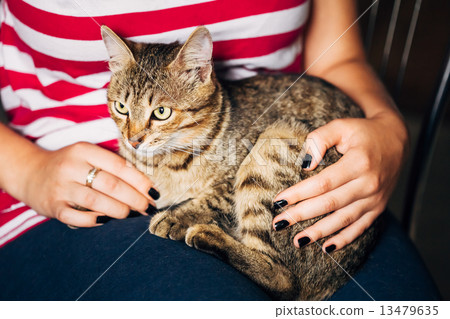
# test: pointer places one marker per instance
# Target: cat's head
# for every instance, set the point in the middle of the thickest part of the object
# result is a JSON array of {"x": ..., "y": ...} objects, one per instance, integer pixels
[{"x": 162, "y": 96}]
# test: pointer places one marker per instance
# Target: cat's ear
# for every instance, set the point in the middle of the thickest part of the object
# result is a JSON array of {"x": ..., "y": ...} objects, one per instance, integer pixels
[
  {"x": 119, "y": 53},
  {"x": 196, "y": 54}
]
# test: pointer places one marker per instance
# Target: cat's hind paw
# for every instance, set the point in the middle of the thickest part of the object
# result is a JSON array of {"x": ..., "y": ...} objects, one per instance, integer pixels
[{"x": 166, "y": 225}]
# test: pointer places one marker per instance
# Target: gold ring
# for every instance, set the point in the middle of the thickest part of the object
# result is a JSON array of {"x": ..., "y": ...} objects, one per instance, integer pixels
[{"x": 90, "y": 177}]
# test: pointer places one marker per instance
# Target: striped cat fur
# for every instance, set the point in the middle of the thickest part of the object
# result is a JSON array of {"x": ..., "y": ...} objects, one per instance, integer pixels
[{"x": 223, "y": 154}]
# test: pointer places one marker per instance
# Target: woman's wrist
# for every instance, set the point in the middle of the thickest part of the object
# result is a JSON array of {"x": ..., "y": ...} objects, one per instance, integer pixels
[
  {"x": 24, "y": 184},
  {"x": 23, "y": 157},
  {"x": 357, "y": 79},
  {"x": 395, "y": 121},
  {"x": 392, "y": 122},
  {"x": 18, "y": 183}
]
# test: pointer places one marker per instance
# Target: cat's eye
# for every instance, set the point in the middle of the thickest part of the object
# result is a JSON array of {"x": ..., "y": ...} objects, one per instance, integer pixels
[
  {"x": 120, "y": 108},
  {"x": 162, "y": 113}
]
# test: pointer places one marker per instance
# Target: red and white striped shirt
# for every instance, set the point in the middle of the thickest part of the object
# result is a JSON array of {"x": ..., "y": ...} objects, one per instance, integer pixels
[{"x": 53, "y": 69}]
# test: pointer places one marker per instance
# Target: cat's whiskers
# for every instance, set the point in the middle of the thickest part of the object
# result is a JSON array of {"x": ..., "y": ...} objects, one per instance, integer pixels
[
  {"x": 186, "y": 148},
  {"x": 227, "y": 111},
  {"x": 183, "y": 148},
  {"x": 180, "y": 150}
]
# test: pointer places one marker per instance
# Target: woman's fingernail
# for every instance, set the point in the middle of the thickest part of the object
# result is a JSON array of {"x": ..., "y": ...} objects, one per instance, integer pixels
[
  {"x": 151, "y": 210},
  {"x": 282, "y": 224},
  {"x": 153, "y": 193},
  {"x": 133, "y": 213},
  {"x": 330, "y": 248},
  {"x": 307, "y": 161},
  {"x": 103, "y": 219},
  {"x": 303, "y": 241},
  {"x": 280, "y": 204}
]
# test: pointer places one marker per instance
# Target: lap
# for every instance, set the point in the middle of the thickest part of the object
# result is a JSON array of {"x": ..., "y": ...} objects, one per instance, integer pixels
[{"x": 53, "y": 262}]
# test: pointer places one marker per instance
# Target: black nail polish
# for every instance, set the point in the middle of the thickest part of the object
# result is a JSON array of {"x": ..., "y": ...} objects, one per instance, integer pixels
[
  {"x": 153, "y": 193},
  {"x": 282, "y": 224},
  {"x": 330, "y": 248},
  {"x": 151, "y": 210},
  {"x": 134, "y": 213},
  {"x": 307, "y": 161},
  {"x": 303, "y": 241},
  {"x": 103, "y": 219},
  {"x": 280, "y": 204}
]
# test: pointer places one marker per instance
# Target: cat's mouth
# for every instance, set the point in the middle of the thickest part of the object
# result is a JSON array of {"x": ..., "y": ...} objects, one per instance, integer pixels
[
  {"x": 144, "y": 149},
  {"x": 162, "y": 146}
]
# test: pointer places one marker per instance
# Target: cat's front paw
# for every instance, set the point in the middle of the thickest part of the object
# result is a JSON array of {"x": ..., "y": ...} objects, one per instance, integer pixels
[
  {"x": 166, "y": 225},
  {"x": 206, "y": 237}
]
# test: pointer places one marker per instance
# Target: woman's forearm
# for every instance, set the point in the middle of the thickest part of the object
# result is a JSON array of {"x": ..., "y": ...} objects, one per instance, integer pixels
[
  {"x": 334, "y": 52},
  {"x": 357, "y": 79}
]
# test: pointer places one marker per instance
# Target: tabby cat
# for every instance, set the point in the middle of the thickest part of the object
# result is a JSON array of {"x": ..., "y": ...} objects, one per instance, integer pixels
[{"x": 219, "y": 155}]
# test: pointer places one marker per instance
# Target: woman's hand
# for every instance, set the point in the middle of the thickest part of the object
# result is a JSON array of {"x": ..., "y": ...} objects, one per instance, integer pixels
[
  {"x": 53, "y": 183},
  {"x": 356, "y": 188}
]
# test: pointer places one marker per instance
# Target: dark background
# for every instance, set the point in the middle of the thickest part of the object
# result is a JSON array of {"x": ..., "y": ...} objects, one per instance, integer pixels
[{"x": 430, "y": 228}]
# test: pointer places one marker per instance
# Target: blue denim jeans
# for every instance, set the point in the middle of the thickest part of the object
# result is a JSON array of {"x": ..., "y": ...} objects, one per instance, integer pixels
[{"x": 122, "y": 261}]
